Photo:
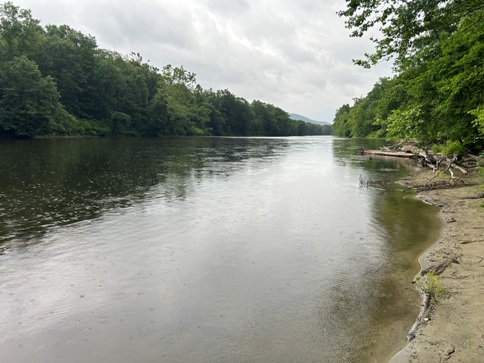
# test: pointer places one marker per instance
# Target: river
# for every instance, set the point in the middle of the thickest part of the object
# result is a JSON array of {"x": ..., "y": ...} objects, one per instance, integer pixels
[{"x": 205, "y": 250}]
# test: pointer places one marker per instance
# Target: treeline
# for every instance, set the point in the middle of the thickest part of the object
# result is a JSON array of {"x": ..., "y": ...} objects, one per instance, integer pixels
[
  {"x": 436, "y": 96},
  {"x": 54, "y": 80}
]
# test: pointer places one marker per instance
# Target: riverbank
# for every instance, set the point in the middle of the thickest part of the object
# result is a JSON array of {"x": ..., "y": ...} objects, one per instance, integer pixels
[{"x": 453, "y": 329}]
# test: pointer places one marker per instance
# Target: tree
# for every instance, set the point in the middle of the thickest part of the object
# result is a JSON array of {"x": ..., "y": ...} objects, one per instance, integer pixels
[
  {"x": 444, "y": 94},
  {"x": 69, "y": 59},
  {"x": 178, "y": 75},
  {"x": 55, "y": 80},
  {"x": 19, "y": 32},
  {"x": 237, "y": 113},
  {"x": 29, "y": 103},
  {"x": 157, "y": 115},
  {"x": 437, "y": 46},
  {"x": 405, "y": 27},
  {"x": 216, "y": 124},
  {"x": 341, "y": 126}
]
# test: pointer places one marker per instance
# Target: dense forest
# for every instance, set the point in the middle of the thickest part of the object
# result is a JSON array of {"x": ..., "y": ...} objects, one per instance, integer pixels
[
  {"x": 55, "y": 80},
  {"x": 436, "y": 94}
]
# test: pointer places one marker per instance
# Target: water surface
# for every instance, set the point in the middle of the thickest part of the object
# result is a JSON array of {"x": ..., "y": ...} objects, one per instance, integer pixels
[{"x": 205, "y": 250}]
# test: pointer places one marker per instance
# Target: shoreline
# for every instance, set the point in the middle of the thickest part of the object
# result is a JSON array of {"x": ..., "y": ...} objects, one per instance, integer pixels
[{"x": 453, "y": 328}]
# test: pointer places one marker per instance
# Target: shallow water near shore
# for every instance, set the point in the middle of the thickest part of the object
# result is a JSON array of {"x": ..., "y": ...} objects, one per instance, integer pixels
[{"x": 205, "y": 250}]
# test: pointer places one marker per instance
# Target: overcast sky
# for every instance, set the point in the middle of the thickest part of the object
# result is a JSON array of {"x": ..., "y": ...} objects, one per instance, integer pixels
[{"x": 295, "y": 54}]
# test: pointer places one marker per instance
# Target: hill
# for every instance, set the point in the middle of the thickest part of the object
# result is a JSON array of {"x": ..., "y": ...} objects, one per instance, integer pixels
[{"x": 295, "y": 116}]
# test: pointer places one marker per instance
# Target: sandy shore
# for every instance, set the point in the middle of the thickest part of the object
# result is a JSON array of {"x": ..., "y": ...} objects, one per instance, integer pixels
[{"x": 453, "y": 329}]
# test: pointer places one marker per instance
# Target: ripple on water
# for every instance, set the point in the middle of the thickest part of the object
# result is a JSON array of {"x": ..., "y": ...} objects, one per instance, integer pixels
[{"x": 256, "y": 250}]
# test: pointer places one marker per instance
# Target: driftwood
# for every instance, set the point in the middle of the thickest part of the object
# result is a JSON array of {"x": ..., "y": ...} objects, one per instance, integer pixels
[
  {"x": 435, "y": 162},
  {"x": 367, "y": 182},
  {"x": 438, "y": 163},
  {"x": 399, "y": 154},
  {"x": 430, "y": 160},
  {"x": 438, "y": 268},
  {"x": 456, "y": 165},
  {"x": 424, "y": 312},
  {"x": 426, "y": 299}
]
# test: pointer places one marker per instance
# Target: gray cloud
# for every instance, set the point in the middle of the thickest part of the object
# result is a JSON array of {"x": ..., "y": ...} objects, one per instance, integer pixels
[
  {"x": 227, "y": 8},
  {"x": 295, "y": 54}
]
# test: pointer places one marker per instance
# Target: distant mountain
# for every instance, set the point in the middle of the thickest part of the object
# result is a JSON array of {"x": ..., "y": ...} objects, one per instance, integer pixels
[{"x": 297, "y": 117}]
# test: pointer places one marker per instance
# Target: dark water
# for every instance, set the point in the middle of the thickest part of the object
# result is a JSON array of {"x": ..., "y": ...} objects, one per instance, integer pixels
[{"x": 205, "y": 250}]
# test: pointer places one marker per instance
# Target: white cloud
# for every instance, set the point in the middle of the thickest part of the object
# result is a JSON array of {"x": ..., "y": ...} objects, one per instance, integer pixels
[{"x": 295, "y": 54}]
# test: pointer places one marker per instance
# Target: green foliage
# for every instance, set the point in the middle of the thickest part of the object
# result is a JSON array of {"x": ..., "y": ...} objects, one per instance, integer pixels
[
  {"x": 437, "y": 149},
  {"x": 326, "y": 130},
  {"x": 406, "y": 27},
  {"x": 454, "y": 147},
  {"x": 480, "y": 168},
  {"x": 119, "y": 123},
  {"x": 480, "y": 171},
  {"x": 431, "y": 285},
  {"x": 436, "y": 96},
  {"x": 478, "y": 122},
  {"x": 29, "y": 103},
  {"x": 54, "y": 80},
  {"x": 341, "y": 122},
  {"x": 19, "y": 32},
  {"x": 369, "y": 115}
]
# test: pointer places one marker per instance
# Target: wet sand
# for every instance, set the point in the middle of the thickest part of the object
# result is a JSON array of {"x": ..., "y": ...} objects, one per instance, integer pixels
[{"x": 453, "y": 329}]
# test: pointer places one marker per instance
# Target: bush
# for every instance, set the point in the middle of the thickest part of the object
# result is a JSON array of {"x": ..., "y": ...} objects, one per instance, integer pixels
[
  {"x": 437, "y": 149},
  {"x": 431, "y": 285},
  {"x": 453, "y": 147}
]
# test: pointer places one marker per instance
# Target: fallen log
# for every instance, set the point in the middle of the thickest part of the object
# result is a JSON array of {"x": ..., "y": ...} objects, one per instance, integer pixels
[
  {"x": 430, "y": 160},
  {"x": 455, "y": 165},
  {"x": 427, "y": 159},
  {"x": 399, "y": 154}
]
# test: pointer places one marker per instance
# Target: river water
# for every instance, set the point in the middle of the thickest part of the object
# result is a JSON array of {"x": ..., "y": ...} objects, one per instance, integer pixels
[{"x": 205, "y": 250}]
